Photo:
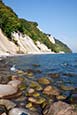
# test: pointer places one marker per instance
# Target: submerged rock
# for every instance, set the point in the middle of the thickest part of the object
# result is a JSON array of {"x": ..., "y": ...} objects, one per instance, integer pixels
[
  {"x": 38, "y": 100},
  {"x": 36, "y": 86},
  {"x": 44, "y": 81},
  {"x": 66, "y": 88},
  {"x": 36, "y": 65},
  {"x": 73, "y": 98},
  {"x": 61, "y": 97},
  {"x": 22, "y": 87},
  {"x": 29, "y": 105},
  {"x": 59, "y": 108},
  {"x": 36, "y": 94},
  {"x": 49, "y": 90},
  {"x": 54, "y": 75},
  {"x": 31, "y": 90}
]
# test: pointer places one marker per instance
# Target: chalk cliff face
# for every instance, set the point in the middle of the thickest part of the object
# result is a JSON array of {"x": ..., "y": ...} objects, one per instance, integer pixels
[
  {"x": 25, "y": 45},
  {"x": 22, "y": 36},
  {"x": 6, "y": 46}
]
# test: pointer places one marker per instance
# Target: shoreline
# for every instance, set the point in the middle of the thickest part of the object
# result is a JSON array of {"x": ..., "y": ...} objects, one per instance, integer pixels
[{"x": 5, "y": 55}]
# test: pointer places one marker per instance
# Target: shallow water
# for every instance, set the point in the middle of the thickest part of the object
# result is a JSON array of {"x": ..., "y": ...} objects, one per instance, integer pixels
[
  {"x": 58, "y": 71},
  {"x": 64, "y": 64}
]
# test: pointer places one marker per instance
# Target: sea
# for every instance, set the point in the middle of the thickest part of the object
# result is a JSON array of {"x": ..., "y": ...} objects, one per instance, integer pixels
[
  {"x": 58, "y": 72},
  {"x": 63, "y": 64}
]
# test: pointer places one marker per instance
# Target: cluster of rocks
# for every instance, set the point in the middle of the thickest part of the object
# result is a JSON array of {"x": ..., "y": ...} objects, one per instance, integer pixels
[{"x": 23, "y": 94}]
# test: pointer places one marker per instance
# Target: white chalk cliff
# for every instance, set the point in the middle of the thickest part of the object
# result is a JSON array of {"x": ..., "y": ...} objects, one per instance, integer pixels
[
  {"x": 25, "y": 45},
  {"x": 52, "y": 40}
]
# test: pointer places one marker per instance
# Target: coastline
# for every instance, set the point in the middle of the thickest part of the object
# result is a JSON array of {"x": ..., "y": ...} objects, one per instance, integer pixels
[{"x": 4, "y": 55}]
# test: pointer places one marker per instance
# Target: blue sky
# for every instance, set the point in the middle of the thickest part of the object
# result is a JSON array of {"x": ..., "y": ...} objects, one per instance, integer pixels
[{"x": 57, "y": 17}]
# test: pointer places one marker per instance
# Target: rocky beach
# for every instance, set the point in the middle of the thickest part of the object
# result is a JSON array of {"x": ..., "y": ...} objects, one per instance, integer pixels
[
  {"x": 38, "y": 72},
  {"x": 22, "y": 93}
]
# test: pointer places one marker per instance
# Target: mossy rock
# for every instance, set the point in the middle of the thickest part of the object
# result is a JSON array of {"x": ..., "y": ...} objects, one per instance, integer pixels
[
  {"x": 36, "y": 94},
  {"x": 67, "y": 88},
  {"x": 43, "y": 81},
  {"x": 38, "y": 100},
  {"x": 36, "y": 86},
  {"x": 61, "y": 97},
  {"x": 22, "y": 87},
  {"x": 29, "y": 105}
]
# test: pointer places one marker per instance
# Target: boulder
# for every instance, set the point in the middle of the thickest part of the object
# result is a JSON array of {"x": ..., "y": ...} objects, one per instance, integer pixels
[
  {"x": 6, "y": 90},
  {"x": 59, "y": 108}
]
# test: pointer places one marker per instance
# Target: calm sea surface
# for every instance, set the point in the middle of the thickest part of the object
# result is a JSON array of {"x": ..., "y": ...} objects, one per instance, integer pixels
[{"x": 63, "y": 64}]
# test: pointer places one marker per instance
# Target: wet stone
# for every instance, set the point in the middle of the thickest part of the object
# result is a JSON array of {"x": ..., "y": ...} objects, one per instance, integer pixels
[
  {"x": 7, "y": 103},
  {"x": 28, "y": 105},
  {"x": 54, "y": 75},
  {"x": 20, "y": 72},
  {"x": 61, "y": 97},
  {"x": 43, "y": 81},
  {"x": 59, "y": 108},
  {"x": 38, "y": 71},
  {"x": 73, "y": 97},
  {"x": 36, "y": 86},
  {"x": 4, "y": 113},
  {"x": 70, "y": 74},
  {"x": 18, "y": 111},
  {"x": 66, "y": 88},
  {"x": 49, "y": 90},
  {"x": 31, "y": 90},
  {"x": 22, "y": 87},
  {"x": 35, "y": 65},
  {"x": 2, "y": 109},
  {"x": 36, "y": 94},
  {"x": 38, "y": 100}
]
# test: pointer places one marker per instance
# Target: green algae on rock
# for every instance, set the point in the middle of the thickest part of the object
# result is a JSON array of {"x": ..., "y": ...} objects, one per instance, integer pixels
[
  {"x": 43, "y": 81},
  {"x": 66, "y": 88}
]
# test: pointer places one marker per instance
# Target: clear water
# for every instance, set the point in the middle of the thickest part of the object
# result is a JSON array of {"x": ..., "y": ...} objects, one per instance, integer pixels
[{"x": 63, "y": 64}]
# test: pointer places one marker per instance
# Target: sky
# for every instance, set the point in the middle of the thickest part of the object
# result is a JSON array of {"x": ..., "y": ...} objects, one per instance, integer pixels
[{"x": 56, "y": 17}]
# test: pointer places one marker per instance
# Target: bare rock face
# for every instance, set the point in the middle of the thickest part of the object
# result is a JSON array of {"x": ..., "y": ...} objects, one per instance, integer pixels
[{"x": 60, "y": 108}]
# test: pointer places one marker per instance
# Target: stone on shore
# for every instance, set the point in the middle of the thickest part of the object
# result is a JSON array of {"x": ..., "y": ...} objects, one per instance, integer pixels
[
  {"x": 14, "y": 83},
  {"x": 7, "y": 103},
  {"x": 38, "y": 100},
  {"x": 59, "y": 108},
  {"x": 50, "y": 90},
  {"x": 18, "y": 111},
  {"x": 21, "y": 111},
  {"x": 6, "y": 90}
]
